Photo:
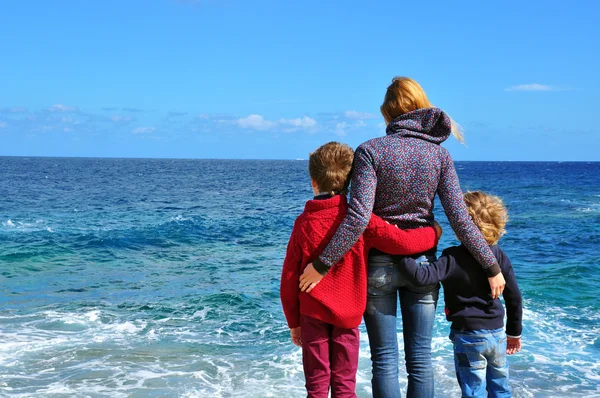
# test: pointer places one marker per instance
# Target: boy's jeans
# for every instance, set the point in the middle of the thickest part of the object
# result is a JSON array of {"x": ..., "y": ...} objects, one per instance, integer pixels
[
  {"x": 330, "y": 358},
  {"x": 385, "y": 284},
  {"x": 480, "y": 362}
]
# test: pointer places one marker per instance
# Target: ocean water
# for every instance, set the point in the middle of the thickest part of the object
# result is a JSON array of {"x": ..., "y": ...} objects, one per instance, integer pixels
[{"x": 160, "y": 278}]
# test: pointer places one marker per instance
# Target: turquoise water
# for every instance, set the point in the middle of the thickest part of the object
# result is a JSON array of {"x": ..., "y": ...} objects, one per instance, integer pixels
[{"x": 159, "y": 278}]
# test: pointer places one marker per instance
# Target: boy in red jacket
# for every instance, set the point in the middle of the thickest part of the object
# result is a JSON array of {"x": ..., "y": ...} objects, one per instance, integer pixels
[{"x": 325, "y": 321}]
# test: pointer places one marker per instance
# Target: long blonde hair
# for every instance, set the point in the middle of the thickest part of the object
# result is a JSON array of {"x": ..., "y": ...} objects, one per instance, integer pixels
[{"x": 406, "y": 95}]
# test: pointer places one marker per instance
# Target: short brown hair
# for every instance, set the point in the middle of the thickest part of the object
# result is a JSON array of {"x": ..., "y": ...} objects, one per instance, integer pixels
[
  {"x": 488, "y": 213},
  {"x": 330, "y": 167}
]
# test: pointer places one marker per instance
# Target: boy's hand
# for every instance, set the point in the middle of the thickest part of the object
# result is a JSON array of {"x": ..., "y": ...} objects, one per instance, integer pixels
[
  {"x": 513, "y": 345},
  {"x": 296, "y": 336},
  {"x": 438, "y": 231},
  {"x": 309, "y": 279}
]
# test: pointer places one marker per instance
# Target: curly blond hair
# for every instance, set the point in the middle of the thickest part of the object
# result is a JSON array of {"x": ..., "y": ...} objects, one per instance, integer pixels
[{"x": 488, "y": 213}]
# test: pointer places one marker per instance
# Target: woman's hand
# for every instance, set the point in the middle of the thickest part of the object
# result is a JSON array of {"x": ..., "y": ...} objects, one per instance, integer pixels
[
  {"x": 438, "y": 231},
  {"x": 497, "y": 284},
  {"x": 309, "y": 278},
  {"x": 513, "y": 345}
]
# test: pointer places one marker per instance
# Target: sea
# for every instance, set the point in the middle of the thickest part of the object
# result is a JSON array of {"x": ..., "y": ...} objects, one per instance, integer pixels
[{"x": 160, "y": 277}]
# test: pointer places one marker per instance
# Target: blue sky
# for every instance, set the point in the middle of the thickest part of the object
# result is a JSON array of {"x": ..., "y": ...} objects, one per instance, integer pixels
[{"x": 275, "y": 79}]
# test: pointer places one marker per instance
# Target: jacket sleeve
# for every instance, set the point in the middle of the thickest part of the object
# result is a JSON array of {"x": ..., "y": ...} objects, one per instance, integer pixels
[
  {"x": 432, "y": 273},
  {"x": 455, "y": 208},
  {"x": 392, "y": 240},
  {"x": 512, "y": 298},
  {"x": 362, "y": 198},
  {"x": 290, "y": 275}
]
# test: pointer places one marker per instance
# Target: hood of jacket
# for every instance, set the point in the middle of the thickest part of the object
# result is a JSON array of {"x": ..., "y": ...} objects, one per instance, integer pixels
[{"x": 430, "y": 124}]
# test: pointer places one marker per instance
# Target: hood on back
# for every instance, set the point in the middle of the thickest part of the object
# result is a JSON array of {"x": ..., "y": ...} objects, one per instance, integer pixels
[{"x": 430, "y": 124}]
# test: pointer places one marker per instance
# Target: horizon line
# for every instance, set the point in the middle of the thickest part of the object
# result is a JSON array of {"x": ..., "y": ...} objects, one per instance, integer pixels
[{"x": 263, "y": 159}]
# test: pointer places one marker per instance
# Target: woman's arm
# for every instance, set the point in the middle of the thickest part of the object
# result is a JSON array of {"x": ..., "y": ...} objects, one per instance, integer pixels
[
  {"x": 392, "y": 240},
  {"x": 455, "y": 208},
  {"x": 362, "y": 198}
]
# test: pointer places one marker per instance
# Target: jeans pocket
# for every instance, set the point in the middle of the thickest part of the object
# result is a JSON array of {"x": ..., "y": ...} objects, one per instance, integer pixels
[
  {"x": 379, "y": 277},
  {"x": 474, "y": 344},
  {"x": 469, "y": 354}
]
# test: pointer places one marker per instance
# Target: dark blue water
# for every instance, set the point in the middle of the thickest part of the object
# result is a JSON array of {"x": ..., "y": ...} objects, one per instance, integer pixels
[{"x": 148, "y": 278}]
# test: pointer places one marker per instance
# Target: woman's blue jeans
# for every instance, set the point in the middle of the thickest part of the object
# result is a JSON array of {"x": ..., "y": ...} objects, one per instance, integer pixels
[{"x": 418, "y": 304}]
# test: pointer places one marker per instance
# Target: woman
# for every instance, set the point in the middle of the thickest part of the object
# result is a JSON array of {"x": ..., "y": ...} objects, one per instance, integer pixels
[{"x": 397, "y": 178}]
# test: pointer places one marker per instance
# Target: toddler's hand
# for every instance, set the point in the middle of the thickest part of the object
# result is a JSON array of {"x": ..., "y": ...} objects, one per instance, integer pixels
[
  {"x": 296, "y": 339},
  {"x": 309, "y": 278},
  {"x": 513, "y": 345}
]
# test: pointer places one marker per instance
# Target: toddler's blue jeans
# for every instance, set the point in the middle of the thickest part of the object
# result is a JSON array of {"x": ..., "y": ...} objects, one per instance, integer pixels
[{"x": 480, "y": 362}]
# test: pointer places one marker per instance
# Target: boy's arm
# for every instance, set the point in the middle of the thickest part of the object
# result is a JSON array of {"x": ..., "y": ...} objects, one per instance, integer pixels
[
  {"x": 427, "y": 275},
  {"x": 288, "y": 289},
  {"x": 392, "y": 240},
  {"x": 512, "y": 298}
]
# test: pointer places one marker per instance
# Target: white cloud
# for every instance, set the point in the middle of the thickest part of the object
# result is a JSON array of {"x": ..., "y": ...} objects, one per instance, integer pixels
[
  {"x": 62, "y": 108},
  {"x": 531, "y": 87},
  {"x": 359, "y": 115},
  {"x": 143, "y": 130},
  {"x": 257, "y": 122},
  {"x": 3, "y": 124},
  {"x": 303, "y": 122},
  {"x": 343, "y": 128}
]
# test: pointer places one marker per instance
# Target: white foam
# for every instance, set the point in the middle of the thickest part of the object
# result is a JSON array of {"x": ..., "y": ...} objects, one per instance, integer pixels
[
  {"x": 201, "y": 313},
  {"x": 541, "y": 359},
  {"x": 128, "y": 327},
  {"x": 23, "y": 226},
  {"x": 179, "y": 218},
  {"x": 142, "y": 367},
  {"x": 587, "y": 209},
  {"x": 93, "y": 316}
]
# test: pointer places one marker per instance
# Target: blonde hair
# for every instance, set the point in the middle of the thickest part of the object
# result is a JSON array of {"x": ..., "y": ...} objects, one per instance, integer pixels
[
  {"x": 330, "y": 165},
  {"x": 488, "y": 213},
  {"x": 406, "y": 95}
]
